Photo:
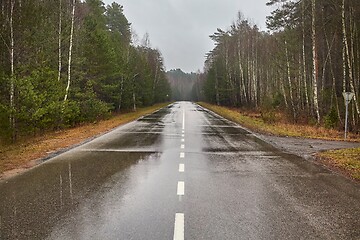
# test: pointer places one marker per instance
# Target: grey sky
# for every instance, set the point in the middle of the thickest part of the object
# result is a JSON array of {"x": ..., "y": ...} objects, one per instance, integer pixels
[{"x": 180, "y": 29}]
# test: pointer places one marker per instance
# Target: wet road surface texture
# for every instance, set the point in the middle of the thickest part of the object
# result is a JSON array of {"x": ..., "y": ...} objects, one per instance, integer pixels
[{"x": 181, "y": 172}]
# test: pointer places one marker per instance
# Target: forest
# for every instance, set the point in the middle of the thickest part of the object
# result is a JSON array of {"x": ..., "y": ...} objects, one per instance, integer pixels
[
  {"x": 66, "y": 62},
  {"x": 308, "y": 57},
  {"x": 182, "y": 84}
]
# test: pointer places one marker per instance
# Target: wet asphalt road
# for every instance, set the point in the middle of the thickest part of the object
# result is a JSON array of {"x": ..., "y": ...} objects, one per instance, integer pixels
[{"x": 181, "y": 168}]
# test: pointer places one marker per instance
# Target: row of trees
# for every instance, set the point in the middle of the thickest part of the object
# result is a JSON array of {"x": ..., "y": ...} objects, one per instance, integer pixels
[
  {"x": 182, "y": 84},
  {"x": 303, "y": 64},
  {"x": 63, "y": 62}
]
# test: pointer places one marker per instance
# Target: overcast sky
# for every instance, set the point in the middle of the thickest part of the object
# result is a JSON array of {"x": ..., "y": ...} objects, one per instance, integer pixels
[{"x": 180, "y": 29}]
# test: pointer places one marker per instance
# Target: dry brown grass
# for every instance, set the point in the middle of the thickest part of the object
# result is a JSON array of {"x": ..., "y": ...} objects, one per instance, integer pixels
[
  {"x": 345, "y": 160},
  {"x": 21, "y": 155}
]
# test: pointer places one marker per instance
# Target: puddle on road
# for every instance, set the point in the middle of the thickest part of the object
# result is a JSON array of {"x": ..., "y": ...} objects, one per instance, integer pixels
[{"x": 30, "y": 204}]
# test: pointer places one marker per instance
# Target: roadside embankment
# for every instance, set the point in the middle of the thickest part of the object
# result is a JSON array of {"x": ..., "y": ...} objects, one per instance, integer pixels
[
  {"x": 16, "y": 158},
  {"x": 326, "y": 146}
]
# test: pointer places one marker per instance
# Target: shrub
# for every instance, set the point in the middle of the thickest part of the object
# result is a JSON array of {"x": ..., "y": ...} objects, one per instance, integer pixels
[
  {"x": 331, "y": 119},
  {"x": 269, "y": 116}
]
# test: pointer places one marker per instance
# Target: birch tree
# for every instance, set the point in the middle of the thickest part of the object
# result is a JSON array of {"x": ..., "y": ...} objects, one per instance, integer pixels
[
  {"x": 304, "y": 77},
  {"x": 59, "y": 41},
  {"x": 70, "y": 50},
  {"x": 12, "y": 71},
  {"x": 315, "y": 60},
  {"x": 348, "y": 62}
]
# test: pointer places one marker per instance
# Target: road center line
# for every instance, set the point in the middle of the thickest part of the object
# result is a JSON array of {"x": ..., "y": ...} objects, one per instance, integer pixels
[
  {"x": 181, "y": 188},
  {"x": 182, "y": 155},
  {"x": 181, "y": 167},
  {"x": 179, "y": 226},
  {"x": 182, "y": 146}
]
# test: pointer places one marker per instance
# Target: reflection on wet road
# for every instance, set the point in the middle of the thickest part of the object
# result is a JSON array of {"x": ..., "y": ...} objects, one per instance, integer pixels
[{"x": 181, "y": 172}]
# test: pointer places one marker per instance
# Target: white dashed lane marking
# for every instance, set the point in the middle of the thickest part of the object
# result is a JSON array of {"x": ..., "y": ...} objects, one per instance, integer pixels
[
  {"x": 179, "y": 226},
  {"x": 181, "y": 167},
  {"x": 179, "y": 231},
  {"x": 181, "y": 188}
]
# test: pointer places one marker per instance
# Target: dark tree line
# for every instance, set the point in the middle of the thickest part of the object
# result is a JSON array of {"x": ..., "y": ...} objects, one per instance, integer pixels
[
  {"x": 182, "y": 84},
  {"x": 302, "y": 65},
  {"x": 64, "y": 62}
]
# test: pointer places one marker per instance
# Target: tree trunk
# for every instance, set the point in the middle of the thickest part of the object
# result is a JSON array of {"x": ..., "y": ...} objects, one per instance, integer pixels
[
  {"x": 155, "y": 80},
  {"x": 289, "y": 80},
  {"x": 284, "y": 92},
  {"x": 348, "y": 59},
  {"x": 59, "y": 43},
  {"x": 217, "y": 88},
  {"x": 255, "y": 75},
  {"x": 134, "y": 101},
  {"x": 134, "y": 91},
  {"x": 333, "y": 76},
  {"x": 344, "y": 43},
  {"x": 304, "y": 56},
  {"x": 12, "y": 72},
  {"x": 70, "y": 50},
  {"x": 315, "y": 61},
  {"x": 242, "y": 76}
]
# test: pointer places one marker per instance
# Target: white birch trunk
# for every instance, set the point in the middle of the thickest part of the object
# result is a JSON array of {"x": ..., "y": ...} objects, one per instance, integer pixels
[
  {"x": 254, "y": 73},
  {"x": 289, "y": 79},
  {"x": 315, "y": 61},
  {"x": 12, "y": 70},
  {"x": 284, "y": 92},
  {"x": 353, "y": 83},
  {"x": 70, "y": 50},
  {"x": 344, "y": 43},
  {"x": 59, "y": 43},
  {"x": 134, "y": 92},
  {"x": 242, "y": 77},
  {"x": 348, "y": 59},
  {"x": 304, "y": 56},
  {"x": 134, "y": 102}
]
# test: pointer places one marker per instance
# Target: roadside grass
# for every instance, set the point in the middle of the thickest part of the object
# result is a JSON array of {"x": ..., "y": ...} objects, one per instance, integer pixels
[
  {"x": 253, "y": 121},
  {"x": 19, "y": 156},
  {"x": 346, "y": 161}
]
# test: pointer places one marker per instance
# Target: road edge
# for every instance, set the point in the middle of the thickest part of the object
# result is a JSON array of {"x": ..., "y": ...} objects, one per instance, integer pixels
[{"x": 31, "y": 164}]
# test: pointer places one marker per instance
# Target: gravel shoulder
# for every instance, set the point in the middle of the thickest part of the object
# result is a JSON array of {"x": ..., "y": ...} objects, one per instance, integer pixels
[
  {"x": 309, "y": 149},
  {"x": 306, "y": 148}
]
